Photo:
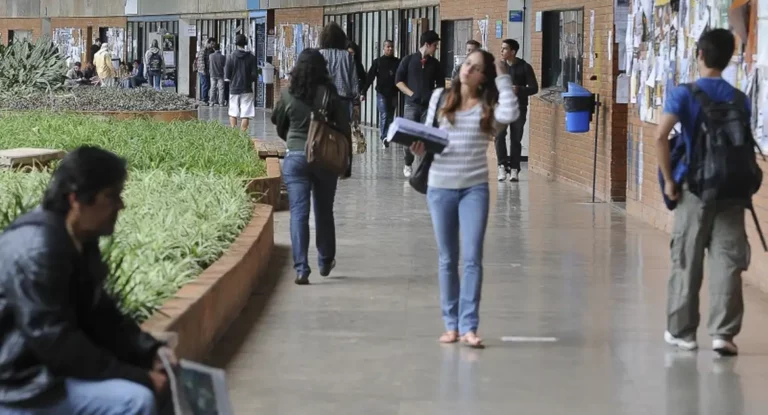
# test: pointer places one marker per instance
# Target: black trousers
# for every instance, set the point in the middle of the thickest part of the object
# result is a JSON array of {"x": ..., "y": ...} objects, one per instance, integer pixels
[
  {"x": 414, "y": 113},
  {"x": 511, "y": 160}
]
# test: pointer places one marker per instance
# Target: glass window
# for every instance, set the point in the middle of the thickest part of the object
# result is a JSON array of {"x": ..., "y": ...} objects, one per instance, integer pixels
[{"x": 562, "y": 48}]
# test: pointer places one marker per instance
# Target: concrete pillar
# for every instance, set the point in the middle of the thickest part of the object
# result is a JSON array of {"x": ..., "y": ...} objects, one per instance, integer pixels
[{"x": 182, "y": 66}]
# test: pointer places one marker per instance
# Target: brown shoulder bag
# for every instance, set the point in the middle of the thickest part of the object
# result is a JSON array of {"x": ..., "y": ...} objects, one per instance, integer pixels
[{"x": 327, "y": 147}]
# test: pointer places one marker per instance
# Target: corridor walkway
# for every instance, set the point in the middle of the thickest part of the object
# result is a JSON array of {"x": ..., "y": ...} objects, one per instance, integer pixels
[{"x": 586, "y": 279}]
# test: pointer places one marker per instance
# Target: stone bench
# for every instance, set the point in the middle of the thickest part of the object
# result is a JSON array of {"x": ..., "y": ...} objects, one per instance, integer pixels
[{"x": 28, "y": 157}]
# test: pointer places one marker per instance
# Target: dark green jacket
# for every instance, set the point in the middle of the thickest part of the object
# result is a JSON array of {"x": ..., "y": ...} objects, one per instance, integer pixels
[{"x": 292, "y": 116}]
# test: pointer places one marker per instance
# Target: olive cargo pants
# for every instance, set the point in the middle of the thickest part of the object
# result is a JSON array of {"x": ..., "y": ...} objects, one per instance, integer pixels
[{"x": 720, "y": 231}]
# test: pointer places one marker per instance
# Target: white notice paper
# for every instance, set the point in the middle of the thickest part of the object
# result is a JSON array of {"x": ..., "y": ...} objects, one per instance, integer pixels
[
  {"x": 610, "y": 45},
  {"x": 591, "y": 38},
  {"x": 622, "y": 89}
]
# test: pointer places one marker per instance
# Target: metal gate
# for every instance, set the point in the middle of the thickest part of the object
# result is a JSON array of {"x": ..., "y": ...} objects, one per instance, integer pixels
[{"x": 370, "y": 29}]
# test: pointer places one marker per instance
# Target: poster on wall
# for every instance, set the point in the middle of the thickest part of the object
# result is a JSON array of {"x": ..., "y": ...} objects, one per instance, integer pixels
[
  {"x": 116, "y": 41},
  {"x": 292, "y": 40},
  {"x": 70, "y": 43}
]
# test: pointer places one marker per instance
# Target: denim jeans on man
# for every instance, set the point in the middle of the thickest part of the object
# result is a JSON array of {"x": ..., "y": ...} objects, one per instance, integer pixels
[
  {"x": 511, "y": 161},
  {"x": 154, "y": 78},
  {"x": 84, "y": 397},
  {"x": 301, "y": 180},
  {"x": 460, "y": 212},
  {"x": 205, "y": 87},
  {"x": 386, "y": 106},
  {"x": 414, "y": 113}
]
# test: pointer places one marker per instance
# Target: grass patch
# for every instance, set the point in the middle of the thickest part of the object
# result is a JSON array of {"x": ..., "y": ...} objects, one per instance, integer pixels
[
  {"x": 194, "y": 146},
  {"x": 174, "y": 226}
]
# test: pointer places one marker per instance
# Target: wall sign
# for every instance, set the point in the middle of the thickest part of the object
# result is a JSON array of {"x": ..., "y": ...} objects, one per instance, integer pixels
[
  {"x": 499, "y": 29},
  {"x": 516, "y": 16}
]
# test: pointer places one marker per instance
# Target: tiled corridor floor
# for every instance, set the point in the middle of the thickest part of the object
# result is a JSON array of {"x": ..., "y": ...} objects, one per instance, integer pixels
[{"x": 364, "y": 341}]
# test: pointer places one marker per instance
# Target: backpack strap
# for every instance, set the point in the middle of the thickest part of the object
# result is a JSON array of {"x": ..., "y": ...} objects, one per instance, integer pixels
[{"x": 751, "y": 208}]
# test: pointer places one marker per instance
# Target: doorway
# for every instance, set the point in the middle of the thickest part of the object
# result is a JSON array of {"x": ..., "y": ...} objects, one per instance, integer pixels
[{"x": 193, "y": 68}]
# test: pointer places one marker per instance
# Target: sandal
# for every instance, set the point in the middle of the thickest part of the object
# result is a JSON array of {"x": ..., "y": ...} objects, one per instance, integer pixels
[
  {"x": 449, "y": 337},
  {"x": 470, "y": 339}
]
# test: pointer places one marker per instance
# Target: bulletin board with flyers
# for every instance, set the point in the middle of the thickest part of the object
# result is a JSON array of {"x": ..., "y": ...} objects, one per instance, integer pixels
[
  {"x": 661, "y": 41},
  {"x": 292, "y": 40}
]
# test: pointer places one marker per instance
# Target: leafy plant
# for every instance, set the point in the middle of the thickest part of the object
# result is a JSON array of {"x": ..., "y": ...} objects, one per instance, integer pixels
[
  {"x": 27, "y": 67},
  {"x": 194, "y": 146},
  {"x": 174, "y": 226}
]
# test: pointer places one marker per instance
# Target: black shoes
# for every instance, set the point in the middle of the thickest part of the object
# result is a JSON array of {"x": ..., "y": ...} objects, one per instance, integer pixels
[
  {"x": 302, "y": 280},
  {"x": 326, "y": 269}
]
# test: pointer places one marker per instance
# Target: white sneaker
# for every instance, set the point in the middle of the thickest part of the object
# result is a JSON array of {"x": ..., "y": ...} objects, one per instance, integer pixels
[
  {"x": 514, "y": 176},
  {"x": 407, "y": 171},
  {"x": 680, "y": 343},
  {"x": 725, "y": 347},
  {"x": 502, "y": 174}
]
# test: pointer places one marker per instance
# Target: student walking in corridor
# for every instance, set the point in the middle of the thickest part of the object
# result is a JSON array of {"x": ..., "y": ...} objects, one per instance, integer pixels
[
  {"x": 383, "y": 69},
  {"x": 417, "y": 76},
  {"x": 524, "y": 84},
  {"x": 478, "y": 103},
  {"x": 709, "y": 189},
  {"x": 311, "y": 88},
  {"x": 241, "y": 71}
]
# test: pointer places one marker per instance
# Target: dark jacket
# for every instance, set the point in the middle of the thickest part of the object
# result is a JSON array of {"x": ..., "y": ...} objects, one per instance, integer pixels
[
  {"x": 292, "y": 117},
  {"x": 242, "y": 70},
  {"x": 384, "y": 69},
  {"x": 56, "y": 320},
  {"x": 523, "y": 76},
  {"x": 420, "y": 78},
  {"x": 216, "y": 63}
]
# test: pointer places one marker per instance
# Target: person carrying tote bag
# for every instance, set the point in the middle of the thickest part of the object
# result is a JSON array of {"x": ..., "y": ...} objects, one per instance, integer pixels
[
  {"x": 458, "y": 196},
  {"x": 317, "y": 133}
]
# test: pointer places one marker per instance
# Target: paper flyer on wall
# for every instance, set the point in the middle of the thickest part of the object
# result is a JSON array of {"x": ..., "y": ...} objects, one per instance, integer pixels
[
  {"x": 591, "y": 38},
  {"x": 197, "y": 389}
]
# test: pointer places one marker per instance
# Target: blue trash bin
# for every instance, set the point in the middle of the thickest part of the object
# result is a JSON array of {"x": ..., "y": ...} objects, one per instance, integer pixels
[{"x": 579, "y": 105}]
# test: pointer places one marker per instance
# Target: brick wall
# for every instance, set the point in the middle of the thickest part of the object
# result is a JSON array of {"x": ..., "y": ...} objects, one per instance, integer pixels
[
  {"x": 494, "y": 9},
  {"x": 305, "y": 15},
  {"x": 35, "y": 25},
  {"x": 568, "y": 157}
]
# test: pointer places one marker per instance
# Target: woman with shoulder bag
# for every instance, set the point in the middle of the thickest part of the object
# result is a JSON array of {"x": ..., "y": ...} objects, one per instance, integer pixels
[
  {"x": 310, "y": 86},
  {"x": 478, "y": 102}
]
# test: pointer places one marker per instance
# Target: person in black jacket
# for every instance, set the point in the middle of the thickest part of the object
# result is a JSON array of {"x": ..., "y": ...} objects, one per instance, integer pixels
[
  {"x": 384, "y": 68},
  {"x": 65, "y": 347},
  {"x": 241, "y": 70},
  {"x": 525, "y": 84},
  {"x": 417, "y": 76}
]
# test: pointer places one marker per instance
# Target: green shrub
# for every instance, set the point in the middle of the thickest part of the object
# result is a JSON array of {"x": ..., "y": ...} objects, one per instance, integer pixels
[
  {"x": 174, "y": 226},
  {"x": 195, "y": 146},
  {"x": 26, "y": 67}
]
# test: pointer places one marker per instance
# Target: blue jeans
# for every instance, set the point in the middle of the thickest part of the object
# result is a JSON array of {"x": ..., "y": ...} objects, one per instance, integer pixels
[
  {"x": 205, "y": 87},
  {"x": 386, "y": 107},
  {"x": 82, "y": 397},
  {"x": 301, "y": 180},
  {"x": 465, "y": 212},
  {"x": 154, "y": 78}
]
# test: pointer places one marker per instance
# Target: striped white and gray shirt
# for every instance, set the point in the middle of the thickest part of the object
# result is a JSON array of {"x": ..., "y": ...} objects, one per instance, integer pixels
[{"x": 464, "y": 161}]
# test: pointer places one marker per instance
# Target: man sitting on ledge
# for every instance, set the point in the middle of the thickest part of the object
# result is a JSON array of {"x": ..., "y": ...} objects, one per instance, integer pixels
[{"x": 65, "y": 348}]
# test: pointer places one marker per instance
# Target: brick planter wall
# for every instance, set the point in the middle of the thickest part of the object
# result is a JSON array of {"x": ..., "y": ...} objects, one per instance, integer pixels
[
  {"x": 202, "y": 310},
  {"x": 166, "y": 116},
  {"x": 268, "y": 187}
]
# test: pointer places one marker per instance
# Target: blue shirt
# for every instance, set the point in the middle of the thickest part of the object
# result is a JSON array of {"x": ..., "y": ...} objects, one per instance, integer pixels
[{"x": 681, "y": 102}]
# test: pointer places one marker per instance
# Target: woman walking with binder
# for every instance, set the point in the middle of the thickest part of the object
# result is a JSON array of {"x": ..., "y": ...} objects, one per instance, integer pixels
[{"x": 476, "y": 106}]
